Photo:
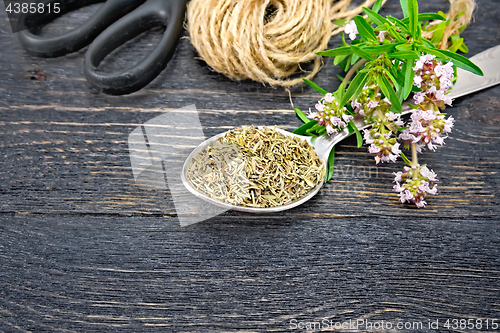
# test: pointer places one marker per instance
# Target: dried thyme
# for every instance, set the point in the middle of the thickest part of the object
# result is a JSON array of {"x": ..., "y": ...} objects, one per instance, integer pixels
[{"x": 256, "y": 168}]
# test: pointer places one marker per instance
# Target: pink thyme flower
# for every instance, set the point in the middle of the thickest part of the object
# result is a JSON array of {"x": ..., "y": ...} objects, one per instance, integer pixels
[
  {"x": 413, "y": 184},
  {"x": 357, "y": 107},
  {"x": 311, "y": 114},
  {"x": 328, "y": 98},
  {"x": 351, "y": 29},
  {"x": 429, "y": 174},
  {"x": 330, "y": 114},
  {"x": 368, "y": 103},
  {"x": 417, "y": 80},
  {"x": 368, "y": 137},
  {"x": 427, "y": 128},
  {"x": 418, "y": 97},
  {"x": 419, "y": 64},
  {"x": 441, "y": 96},
  {"x": 434, "y": 79},
  {"x": 381, "y": 35},
  {"x": 395, "y": 117},
  {"x": 372, "y": 104},
  {"x": 385, "y": 146}
]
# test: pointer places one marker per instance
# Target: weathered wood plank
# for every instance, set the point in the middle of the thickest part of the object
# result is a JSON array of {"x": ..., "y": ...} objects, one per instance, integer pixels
[
  {"x": 142, "y": 274},
  {"x": 83, "y": 248}
]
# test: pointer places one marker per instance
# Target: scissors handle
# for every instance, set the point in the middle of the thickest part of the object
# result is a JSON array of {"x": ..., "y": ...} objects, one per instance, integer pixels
[
  {"x": 168, "y": 13},
  {"x": 77, "y": 38}
]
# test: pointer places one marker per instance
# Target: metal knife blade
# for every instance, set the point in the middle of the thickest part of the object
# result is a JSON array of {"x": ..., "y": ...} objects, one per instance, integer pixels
[{"x": 489, "y": 62}]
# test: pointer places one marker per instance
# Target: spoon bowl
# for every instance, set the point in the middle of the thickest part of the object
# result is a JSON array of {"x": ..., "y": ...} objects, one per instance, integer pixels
[{"x": 322, "y": 147}]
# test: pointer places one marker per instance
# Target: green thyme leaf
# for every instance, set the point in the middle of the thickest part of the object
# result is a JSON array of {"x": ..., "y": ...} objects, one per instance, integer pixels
[
  {"x": 345, "y": 50},
  {"x": 431, "y": 16},
  {"x": 456, "y": 45},
  {"x": 399, "y": 23},
  {"x": 400, "y": 76},
  {"x": 358, "y": 81},
  {"x": 302, "y": 129},
  {"x": 342, "y": 36},
  {"x": 360, "y": 53},
  {"x": 379, "y": 49},
  {"x": 389, "y": 92},
  {"x": 377, "y": 5},
  {"x": 317, "y": 127},
  {"x": 354, "y": 59},
  {"x": 315, "y": 87},
  {"x": 413, "y": 17},
  {"x": 404, "y": 7},
  {"x": 362, "y": 84},
  {"x": 463, "y": 62},
  {"x": 330, "y": 165},
  {"x": 359, "y": 138},
  {"x": 425, "y": 17},
  {"x": 405, "y": 55},
  {"x": 365, "y": 30},
  {"x": 338, "y": 59},
  {"x": 428, "y": 44},
  {"x": 463, "y": 48},
  {"x": 347, "y": 63},
  {"x": 438, "y": 32},
  {"x": 301, "y": 115},
  {"x": 396, "y": 35},
  {"x": 407, "y": 161},
  {"x": 389, "y": 74},
  {"x": 409, "y": 74},
  {"x": 438, "y": 53},
  {"x": 350, "y": 129},
  {"x": 340, "y": 22},
  {"x": 418, "y": 34},
  {"x": 404, "y": 47},
  {"x": 375, "y": 17}
]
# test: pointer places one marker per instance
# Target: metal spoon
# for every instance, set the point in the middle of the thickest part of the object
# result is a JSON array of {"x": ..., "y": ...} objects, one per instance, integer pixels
[{"x": 466, "y": 84}]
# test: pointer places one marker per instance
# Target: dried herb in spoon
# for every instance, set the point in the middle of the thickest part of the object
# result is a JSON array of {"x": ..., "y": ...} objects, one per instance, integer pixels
[{"x": 256, "y": 168}]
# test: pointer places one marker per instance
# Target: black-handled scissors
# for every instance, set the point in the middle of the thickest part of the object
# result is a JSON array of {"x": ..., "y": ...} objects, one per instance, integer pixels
[{"x": 113, "y": 24}]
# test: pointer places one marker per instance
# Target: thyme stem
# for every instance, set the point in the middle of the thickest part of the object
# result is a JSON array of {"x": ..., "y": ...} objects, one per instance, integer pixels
[
  {"x": 414, "y": 158},
  {"x": 353, "y": 70}
]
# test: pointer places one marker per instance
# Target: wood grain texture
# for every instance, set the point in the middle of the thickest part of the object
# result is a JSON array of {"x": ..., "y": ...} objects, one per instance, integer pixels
[{"x": 83, "y": 248}]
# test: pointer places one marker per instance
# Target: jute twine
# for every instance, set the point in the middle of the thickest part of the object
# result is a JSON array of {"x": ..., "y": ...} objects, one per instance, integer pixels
[{"x": 267, "y": 40}]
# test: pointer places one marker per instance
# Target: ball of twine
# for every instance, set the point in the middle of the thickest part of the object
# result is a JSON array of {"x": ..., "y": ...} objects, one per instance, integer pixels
[{"x": 265, "y": 40}]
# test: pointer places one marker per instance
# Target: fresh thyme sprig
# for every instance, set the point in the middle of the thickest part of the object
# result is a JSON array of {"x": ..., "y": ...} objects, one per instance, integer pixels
[{"x": 386, "y": 60}]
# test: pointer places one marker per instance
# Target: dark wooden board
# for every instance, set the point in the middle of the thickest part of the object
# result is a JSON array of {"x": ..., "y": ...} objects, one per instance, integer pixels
[
  {"x": 242, "y": 274},
  {"x": 83, "y": 248}
]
